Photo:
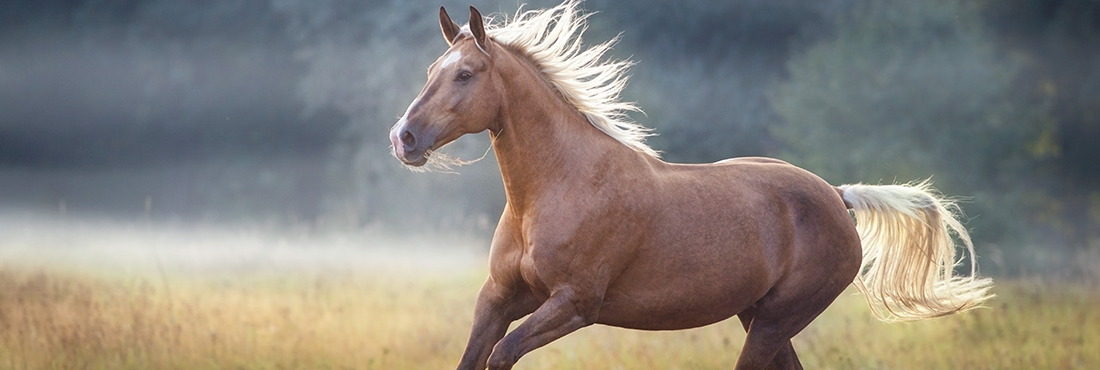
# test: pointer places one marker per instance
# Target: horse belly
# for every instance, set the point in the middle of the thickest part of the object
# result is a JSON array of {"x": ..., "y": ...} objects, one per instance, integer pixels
[{"x": 694, "y": 290}]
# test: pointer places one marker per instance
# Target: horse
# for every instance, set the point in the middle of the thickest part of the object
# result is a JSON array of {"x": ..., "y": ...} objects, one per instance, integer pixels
[{"x": 597, "y": 229}]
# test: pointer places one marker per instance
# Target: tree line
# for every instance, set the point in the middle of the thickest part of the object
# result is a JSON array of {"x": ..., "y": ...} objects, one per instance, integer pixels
[{"x": 277, "y": 111}]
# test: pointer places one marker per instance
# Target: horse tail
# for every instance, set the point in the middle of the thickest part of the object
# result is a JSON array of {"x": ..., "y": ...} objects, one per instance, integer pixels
[{"x": 908, "y": 264}]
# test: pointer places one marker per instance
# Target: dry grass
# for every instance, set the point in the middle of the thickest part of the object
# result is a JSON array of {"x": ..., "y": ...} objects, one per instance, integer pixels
[
  {"x": 344, "y": 320},
  {"x": 400, "y": 316},
  {"x": 51, "y": 319}
]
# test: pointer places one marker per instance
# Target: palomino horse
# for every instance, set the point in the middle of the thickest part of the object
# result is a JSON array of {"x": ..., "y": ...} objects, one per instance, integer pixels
[{"x": 597, "y": 229}]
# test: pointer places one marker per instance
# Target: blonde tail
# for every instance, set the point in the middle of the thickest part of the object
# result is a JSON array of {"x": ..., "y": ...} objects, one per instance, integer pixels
[{"x": 909, "y": 254}]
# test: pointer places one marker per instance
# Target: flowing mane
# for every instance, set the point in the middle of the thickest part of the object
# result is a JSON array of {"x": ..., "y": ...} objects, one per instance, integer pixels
[{"x": 551, "y": 39}]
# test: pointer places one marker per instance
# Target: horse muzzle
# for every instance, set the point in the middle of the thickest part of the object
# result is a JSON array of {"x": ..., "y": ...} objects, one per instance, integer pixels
[{"x": 409, "y": 146}]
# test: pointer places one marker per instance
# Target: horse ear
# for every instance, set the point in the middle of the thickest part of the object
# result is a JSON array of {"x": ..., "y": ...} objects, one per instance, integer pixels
[
  {"x": 477, "y": 27},
  {"x": 449, "y": 27}
]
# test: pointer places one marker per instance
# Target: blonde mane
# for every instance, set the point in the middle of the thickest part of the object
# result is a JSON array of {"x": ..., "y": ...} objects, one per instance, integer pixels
[{"x": 551, "y": 38}]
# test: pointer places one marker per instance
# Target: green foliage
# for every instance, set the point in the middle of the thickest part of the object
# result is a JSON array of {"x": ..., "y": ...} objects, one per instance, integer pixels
[
  {"x": 1059, "y": 40},
  {"x": 908, "y": 90},
  {"x": 276, "y": 112},
  {"x": 704, "y": 67}
]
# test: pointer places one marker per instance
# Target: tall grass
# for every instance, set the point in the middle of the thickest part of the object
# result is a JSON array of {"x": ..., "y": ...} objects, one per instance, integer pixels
[
  {"x": 51, "y": 319},
  {"x": 351, "y": 320},
  {"x": 358, "y": 309}
]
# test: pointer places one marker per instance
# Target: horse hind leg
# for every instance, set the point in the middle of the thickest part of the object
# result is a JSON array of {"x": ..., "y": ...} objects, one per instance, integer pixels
[
  {"x": 779, "y": 315},
  {"x": 828, "y": 259},
  {"x": 766, "y": 346}
]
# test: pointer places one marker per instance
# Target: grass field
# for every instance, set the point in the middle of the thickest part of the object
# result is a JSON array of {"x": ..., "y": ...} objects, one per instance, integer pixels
[{"x": 137, "y": 299}]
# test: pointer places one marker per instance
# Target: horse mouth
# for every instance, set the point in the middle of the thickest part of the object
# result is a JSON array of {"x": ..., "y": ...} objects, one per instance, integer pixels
[
  {"x": 416, "y": 163},
  {"x": 412, "y": 159}
]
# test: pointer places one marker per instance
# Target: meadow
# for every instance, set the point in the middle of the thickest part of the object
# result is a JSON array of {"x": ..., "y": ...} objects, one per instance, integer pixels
[{"x": 84, "y": 298}]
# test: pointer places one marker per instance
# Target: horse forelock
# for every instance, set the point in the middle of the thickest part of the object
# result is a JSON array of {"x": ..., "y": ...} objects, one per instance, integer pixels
[{"x": 551, "y": 40}]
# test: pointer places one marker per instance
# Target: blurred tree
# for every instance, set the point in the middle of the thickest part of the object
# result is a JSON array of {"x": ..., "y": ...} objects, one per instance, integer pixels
[
  {"x": 704, "y": 67},
  {"x": 1060, "y": 40},
  {"x": 908, "y": 90},
  {"x": 278, "y": 110},
  {"x": 366, "y": 60},
  {"x": 191, "y": 104}
]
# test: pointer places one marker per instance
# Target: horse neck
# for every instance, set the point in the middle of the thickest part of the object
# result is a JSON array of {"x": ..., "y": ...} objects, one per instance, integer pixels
[{"x": 542, "y": 140}]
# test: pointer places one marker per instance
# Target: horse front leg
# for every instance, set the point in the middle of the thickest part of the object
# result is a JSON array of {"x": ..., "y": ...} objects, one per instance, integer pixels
[
  {"x": 497, "y": 307},
  {"x": 561, "y": 314}
]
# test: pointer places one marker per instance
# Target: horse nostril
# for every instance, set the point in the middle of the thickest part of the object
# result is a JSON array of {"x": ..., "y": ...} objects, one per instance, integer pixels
[{"x": 408, "y": 139}]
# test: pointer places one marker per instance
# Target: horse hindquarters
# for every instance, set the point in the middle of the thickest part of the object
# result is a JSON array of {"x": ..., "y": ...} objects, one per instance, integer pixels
[{"x": 822, "y": 260}]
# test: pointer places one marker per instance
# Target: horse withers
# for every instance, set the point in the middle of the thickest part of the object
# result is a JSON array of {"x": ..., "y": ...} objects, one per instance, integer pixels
[{"x": 598, "y": 230}]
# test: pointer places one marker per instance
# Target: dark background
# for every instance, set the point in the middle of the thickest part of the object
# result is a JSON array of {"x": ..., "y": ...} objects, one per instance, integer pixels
[{"x": 274, "y": 114}]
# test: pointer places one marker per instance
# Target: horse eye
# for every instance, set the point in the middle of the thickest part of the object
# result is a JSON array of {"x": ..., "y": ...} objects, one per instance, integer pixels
[{"x": 464, "y": 76}]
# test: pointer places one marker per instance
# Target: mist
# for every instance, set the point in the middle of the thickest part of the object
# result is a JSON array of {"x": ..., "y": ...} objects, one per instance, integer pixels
[{"x": 272, "y": 116}]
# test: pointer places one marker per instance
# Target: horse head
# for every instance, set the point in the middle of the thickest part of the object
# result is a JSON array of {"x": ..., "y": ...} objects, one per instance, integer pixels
[{"x": 459, "y": 98}]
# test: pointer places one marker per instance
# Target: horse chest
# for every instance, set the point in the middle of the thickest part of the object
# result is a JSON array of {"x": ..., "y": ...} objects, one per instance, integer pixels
[
  {"x": 546, "y": 268},
  {"x": 529, "y": 272},
  {"x": 547, "y": 264}
]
